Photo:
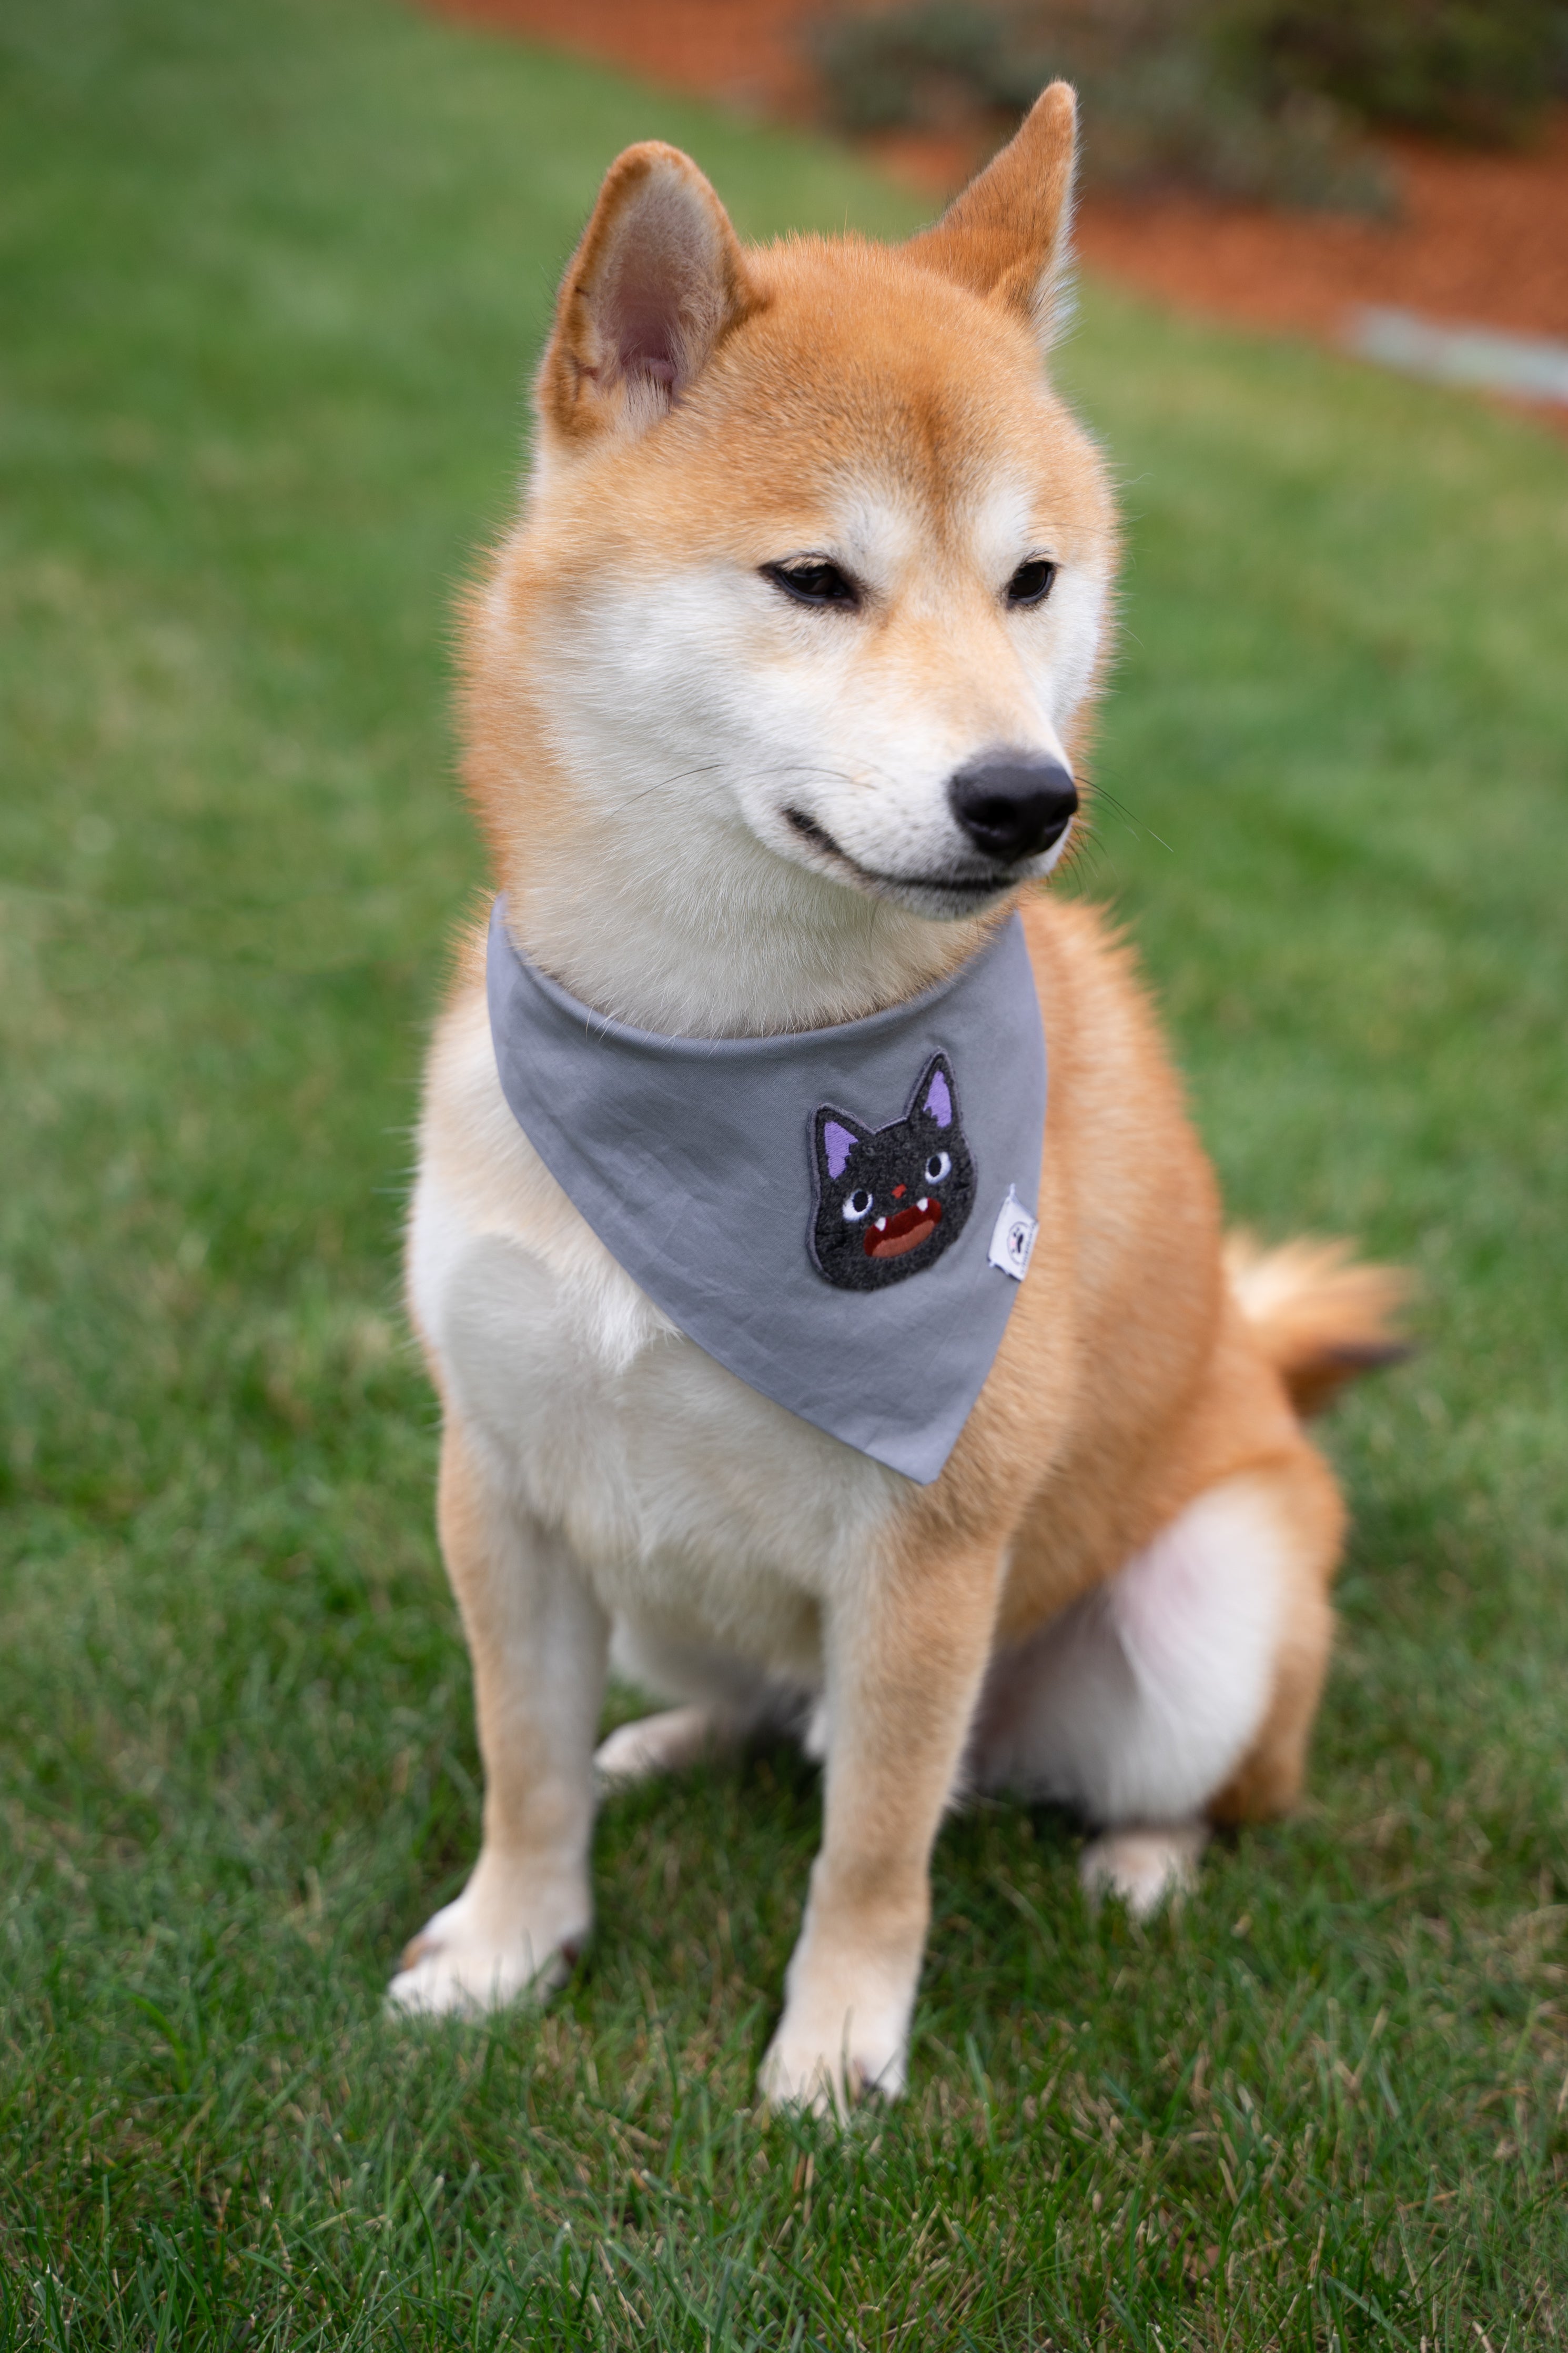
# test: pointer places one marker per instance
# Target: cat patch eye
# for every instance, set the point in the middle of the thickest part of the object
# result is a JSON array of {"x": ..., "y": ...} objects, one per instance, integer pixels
[
  {"x": 937, "y": 1167},
  {"x": 858, "y": 1206}
]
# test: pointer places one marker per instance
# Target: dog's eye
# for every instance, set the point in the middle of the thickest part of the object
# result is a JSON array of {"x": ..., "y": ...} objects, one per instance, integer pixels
[
  {"x": 856, "y": 1206},
  {"x": 1031, "y": 583},
  {"x": 937, "y": 1167},
  {"x": 813, "y": 580}
]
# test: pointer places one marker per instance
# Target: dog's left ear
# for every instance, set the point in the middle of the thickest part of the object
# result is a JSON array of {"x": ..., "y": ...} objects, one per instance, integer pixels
[
  {"x": 1005, "y": 238},
  {"x": 657, "y": 283}
]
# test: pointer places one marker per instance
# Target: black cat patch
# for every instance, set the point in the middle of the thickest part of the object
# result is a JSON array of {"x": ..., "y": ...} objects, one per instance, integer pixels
[{"x": 889, "y": 1201}]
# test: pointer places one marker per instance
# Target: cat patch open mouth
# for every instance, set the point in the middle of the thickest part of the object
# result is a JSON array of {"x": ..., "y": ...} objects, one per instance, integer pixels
[{"x": 891, "y": 1236}]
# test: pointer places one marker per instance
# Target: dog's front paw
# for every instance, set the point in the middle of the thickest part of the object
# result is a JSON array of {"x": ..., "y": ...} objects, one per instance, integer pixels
[
  {"x": 1146, "y": 1868},
  {"x": 471, "y": 1957},
  {"x": 825, "y": 2062}
]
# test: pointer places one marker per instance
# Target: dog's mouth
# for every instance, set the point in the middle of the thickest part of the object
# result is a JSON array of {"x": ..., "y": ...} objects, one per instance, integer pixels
[
  {"x": 968, "y": 888},
  {"x": 891, "y": 1236}
]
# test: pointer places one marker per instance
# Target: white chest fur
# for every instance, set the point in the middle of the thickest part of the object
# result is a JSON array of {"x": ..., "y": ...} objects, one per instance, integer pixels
[{"x": 698, "y": 1509}]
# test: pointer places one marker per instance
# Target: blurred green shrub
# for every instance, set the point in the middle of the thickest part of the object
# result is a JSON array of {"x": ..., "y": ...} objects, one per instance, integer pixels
[
  {"x": 1246, "y": 98},
  {"x": 1479, "y": 70}
]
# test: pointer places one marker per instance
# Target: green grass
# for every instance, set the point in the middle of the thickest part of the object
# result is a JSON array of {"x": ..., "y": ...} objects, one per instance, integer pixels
[{"x": 271, "y": 278}]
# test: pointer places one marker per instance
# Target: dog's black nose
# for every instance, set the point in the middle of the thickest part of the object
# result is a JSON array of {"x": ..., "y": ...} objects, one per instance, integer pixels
[{"x": 1012, "y": 805}]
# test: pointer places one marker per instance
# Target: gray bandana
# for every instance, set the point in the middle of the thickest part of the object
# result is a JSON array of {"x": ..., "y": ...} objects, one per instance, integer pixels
[{"x": 840, "y": 1217}]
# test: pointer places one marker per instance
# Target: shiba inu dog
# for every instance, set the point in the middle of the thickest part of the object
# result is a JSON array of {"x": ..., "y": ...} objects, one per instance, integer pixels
[{"x": 772, "y": 703}]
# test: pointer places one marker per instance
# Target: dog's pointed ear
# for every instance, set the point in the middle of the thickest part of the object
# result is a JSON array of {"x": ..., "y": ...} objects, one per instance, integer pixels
[
  {"x": 657, "y": 283},
  {"x": 1005, "y": 238}
]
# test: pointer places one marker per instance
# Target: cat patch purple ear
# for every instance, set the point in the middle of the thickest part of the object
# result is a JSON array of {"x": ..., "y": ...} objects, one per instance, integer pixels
[
  {"x": 837, "y": 1144},
  {"x": 939, "y": 1099}
]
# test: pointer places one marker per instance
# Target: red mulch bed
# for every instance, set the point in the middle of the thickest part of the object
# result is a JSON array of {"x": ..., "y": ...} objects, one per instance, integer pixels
[{"x": 1481, "y": 238}]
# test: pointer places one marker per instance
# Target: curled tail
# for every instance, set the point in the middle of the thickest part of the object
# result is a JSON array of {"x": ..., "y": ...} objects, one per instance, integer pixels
[{"x": 1321, "y": 1316}]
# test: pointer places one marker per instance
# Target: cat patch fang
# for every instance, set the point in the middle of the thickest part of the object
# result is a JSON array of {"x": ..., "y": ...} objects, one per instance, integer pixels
[{"x": 1013, "y": 1237}]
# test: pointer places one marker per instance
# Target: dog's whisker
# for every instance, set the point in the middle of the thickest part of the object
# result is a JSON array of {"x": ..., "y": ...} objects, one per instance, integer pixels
[{"x": 1095, "y": 791}]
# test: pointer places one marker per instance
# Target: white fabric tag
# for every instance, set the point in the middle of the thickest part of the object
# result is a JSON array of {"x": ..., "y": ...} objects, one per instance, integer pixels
[{"x": 1013, "y": 1237}]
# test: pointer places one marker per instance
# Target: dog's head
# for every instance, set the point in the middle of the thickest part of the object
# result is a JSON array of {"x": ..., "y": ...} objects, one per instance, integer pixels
[{"x": 810, "y": 584}]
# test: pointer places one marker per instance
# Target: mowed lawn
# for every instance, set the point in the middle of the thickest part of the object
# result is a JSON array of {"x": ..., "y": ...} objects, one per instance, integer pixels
[{"x": 272, "y": 278}]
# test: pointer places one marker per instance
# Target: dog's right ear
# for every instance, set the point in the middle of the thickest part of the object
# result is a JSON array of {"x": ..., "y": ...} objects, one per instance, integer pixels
[{"x": 657, "y": 283}]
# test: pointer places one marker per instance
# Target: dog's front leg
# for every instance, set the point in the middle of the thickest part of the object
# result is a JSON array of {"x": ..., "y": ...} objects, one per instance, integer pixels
[
  {"x": 538, "y": 1640},
  {"x": 906, "y": 1656}
]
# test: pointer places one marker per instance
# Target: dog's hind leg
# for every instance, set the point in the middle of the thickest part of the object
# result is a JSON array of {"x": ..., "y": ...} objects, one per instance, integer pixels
[
  {"x": 539, "y": 1644},
  {"x": 664, "y": 1743},
  {"x": 1182, "y": 1690},
  {"x": 723, "y": 1703},
  {"x": 1145, "y": 1868}
]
